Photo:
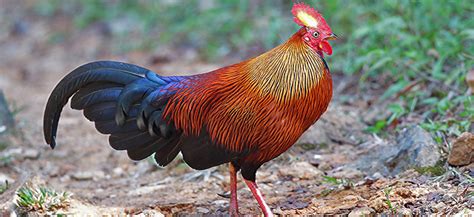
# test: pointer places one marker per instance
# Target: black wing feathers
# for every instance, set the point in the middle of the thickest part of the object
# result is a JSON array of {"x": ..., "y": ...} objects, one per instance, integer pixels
[{"x": 111, "y": 94}]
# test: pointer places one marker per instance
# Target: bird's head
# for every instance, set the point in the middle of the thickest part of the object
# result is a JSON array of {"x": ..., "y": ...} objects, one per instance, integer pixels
[{"x": 316, "y": 31}]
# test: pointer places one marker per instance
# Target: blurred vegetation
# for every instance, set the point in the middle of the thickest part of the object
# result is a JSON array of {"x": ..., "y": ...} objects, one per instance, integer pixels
[{"x": 417, "y": 52}]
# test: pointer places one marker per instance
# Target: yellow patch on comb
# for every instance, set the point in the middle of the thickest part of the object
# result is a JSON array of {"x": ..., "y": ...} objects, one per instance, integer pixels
[{"x": 307, "y": 19}]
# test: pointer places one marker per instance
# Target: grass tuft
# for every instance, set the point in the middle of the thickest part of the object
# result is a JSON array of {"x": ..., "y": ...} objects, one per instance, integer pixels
[
  {"x": 344, "y": 183},
  {"x": 41, "y": 199},
  {"x": 387, "y": 192}
]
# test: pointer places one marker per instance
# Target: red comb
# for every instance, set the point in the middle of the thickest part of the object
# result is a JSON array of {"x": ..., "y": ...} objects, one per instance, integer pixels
[{"x": 298, "y": 7}]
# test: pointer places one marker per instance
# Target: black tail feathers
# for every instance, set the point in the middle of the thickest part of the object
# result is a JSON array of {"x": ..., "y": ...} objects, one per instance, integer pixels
[{"x": 118, "y": 98}]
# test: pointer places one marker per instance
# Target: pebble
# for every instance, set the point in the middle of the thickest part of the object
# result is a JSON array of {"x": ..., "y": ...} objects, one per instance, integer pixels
[
  {"x": 348, "y": 173},
  {"x": 202, "y": 210},
  {"x": 5, "y": 177},
  {"x": 414, "y": 147},
  {"x": 118, "y": 171},
  {"x": 302, "y": 170},
  {"x": 150, "y": 212},
  {"x": 364, "y": 211},
  {"x": 145, "y": 190},
  {"x": 32, "y": 154},
  {"x": 88, "y": 175},
  {"x": 82, "y": 176},
  {"x": 462, "y": 151},
  {"x": 220, "y": 202},
  {"x": 404, "y": 212}
]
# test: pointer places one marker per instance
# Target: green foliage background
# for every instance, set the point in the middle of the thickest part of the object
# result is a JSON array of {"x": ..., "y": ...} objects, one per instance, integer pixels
[{"x": 422, "y": 49}]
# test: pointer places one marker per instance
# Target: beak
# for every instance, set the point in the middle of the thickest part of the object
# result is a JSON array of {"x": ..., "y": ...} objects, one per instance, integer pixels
[{"x": 332, "y": 37}]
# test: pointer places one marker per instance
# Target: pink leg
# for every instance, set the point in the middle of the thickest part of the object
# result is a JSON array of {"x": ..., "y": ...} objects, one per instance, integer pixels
[
  {"x": 234, "y": 206},
  {"x": 259, "y": 197}
]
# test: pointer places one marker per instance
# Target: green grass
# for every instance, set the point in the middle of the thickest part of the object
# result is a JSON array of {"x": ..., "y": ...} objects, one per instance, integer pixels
[
  {"x": 338, "y": 182},
  {"x": 41, "y": 199},
  {"x": 418, "y": 53},
  {"x": 391, "y": 207},
  {"x": 436, "y": 170},
  {"x": 413, "y": 56}
]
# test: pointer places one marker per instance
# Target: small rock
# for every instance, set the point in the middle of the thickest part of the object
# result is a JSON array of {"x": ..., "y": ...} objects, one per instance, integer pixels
[
  {"x": 202, "y": 210},
  {"x": 462, "y": 152},
  {"x": 31, "y": 154},
  {"x": 413, "y": 148},
  {"x": 153, "y": 213},
  {"x": 377, "y": 176},
  {"x": 364, "y": 211},
  {"x": 5, "y": 177},
  {"x": 220, "y": 202},
  {"x": 82, "y": 176},
  {"x": 302, "y": 170},
  {"x": 88, "y": 175},
  {"x": 404, "y": 212},
  {"x": 118, "y": 171},
  {"x": 416, "y": 149},
  {"x": 65, "y": 178},
  {"x": 145, "y": 190},
  {"x": 348, "y": 173},
  {"x": 323, "y": 165}
]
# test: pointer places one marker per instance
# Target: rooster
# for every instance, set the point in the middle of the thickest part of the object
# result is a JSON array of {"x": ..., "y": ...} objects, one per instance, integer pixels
[{"x": 244, "y": 114}]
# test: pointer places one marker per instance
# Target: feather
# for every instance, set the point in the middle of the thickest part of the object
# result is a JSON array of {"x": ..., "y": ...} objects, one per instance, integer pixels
[{"x": 101, "y": 71}]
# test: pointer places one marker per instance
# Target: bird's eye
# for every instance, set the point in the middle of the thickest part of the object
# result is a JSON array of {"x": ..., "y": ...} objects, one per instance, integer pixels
[{"x": 315, "y": 34}]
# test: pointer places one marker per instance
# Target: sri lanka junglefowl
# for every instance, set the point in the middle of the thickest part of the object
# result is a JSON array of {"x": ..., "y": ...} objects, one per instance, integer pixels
[{"x": 243, "y": 114}]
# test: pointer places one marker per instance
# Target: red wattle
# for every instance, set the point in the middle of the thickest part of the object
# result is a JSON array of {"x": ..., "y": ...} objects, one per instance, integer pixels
[{"x": 326, "y": 47}]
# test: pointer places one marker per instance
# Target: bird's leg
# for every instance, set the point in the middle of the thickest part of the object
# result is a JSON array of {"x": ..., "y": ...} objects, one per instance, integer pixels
[
  {"x": 259, "y": 197},
  {"x": 234, "y": 206}
]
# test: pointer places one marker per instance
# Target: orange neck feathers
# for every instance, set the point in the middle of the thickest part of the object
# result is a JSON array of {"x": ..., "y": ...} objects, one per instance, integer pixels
[{"x": 288, "y": 71}]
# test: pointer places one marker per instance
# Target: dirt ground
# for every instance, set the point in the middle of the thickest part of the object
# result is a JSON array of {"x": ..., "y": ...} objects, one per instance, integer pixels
[{"x": 106, "y": 181}]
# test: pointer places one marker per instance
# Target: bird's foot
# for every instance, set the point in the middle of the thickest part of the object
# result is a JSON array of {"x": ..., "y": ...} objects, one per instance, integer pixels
[
  {"x": 234, "y": 210},
  {"x": 257, "y": 194}
]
